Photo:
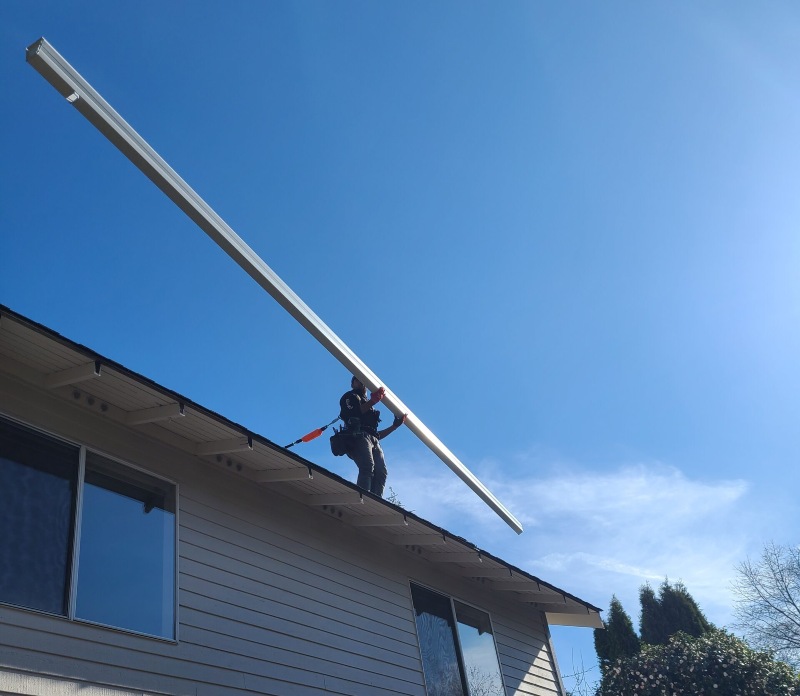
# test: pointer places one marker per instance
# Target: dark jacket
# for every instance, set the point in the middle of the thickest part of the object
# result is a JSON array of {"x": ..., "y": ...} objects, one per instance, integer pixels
[{"x": 350, "y": 413}]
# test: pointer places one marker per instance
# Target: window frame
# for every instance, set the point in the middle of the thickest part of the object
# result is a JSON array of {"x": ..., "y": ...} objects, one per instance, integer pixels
[
  {"x": 460, "y": 651},
  {"x": 75, "y": 537}
]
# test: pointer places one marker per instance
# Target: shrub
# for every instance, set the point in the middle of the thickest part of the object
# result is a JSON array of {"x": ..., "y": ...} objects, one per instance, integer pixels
[{"x": 715, "y": 663}]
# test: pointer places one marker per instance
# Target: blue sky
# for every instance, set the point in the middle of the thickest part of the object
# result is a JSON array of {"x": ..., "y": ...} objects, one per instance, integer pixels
[{"x": 565, "y": 234}]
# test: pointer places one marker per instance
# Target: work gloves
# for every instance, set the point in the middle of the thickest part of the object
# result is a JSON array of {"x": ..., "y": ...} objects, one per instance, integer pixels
[{"x": 376, "y": 396}]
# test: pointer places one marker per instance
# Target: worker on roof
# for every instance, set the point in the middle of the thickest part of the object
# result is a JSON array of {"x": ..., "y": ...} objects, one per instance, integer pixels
[{"x": 361, "y": 422}]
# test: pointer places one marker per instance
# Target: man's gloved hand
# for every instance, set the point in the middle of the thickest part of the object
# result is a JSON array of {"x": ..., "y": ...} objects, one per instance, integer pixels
[
  {"x": 376, "y": 396},
  {"x": 399, "y": 420}
]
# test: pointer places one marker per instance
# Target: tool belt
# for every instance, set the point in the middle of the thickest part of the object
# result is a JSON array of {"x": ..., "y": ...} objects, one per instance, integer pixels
[{"x": 341, "y": 441}]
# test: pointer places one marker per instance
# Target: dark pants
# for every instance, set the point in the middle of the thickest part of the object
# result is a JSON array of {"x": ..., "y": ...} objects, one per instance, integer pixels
[{"x": 366, "y": 452}]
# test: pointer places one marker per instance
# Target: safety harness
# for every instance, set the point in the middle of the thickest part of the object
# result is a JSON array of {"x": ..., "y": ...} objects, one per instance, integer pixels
[{"x": 313, "y": 434}]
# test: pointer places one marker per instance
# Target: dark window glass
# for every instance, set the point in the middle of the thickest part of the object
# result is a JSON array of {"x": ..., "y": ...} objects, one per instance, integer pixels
[
  {"x": 38, "y": 476},
  {"x": 437, "y": 640},
  {"x": 478, "y": 651},
  {"x": 126, "y": 566}
]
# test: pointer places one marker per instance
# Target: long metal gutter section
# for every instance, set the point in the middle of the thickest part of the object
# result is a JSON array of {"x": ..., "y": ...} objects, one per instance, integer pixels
[{"x": 59, "y": 73}]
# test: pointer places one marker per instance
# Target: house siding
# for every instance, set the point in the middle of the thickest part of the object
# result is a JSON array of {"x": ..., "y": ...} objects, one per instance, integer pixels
[
  {"x": 515, "y": 646},
  {"x": 274, "y": 597}
]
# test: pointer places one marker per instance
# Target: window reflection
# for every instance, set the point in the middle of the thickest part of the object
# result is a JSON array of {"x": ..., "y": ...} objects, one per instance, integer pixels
[
  {"x": 38, "y": 476},
  {"x": 437, "y": 641},
  {"x": 457, "y": 646},
  {"x": 478, "y": 651},
  {"x": 126, "y": 572}
]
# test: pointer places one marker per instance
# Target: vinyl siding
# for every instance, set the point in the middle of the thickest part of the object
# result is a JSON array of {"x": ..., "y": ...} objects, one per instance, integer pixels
[
  {"x": 525, "y": 658},
  {"x": 274, "y": 598}
]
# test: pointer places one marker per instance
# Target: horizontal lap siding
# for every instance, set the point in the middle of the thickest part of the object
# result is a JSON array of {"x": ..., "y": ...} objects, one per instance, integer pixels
[
  {"x": 38, "y": 685},
  {"x": 304, "y": 626},
  {"x": 316, "y": 618},
  {"x": 524, "y": 658},
  {"x": 272, "y": 599},
  {"x": 318, "y": 568},
  {"x": 74, "y": 650},
  {"x": 277, "y": 602}
]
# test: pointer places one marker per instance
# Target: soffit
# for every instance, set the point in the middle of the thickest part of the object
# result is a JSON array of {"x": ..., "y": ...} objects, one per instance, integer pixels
[{"x": 49, "y": 361}]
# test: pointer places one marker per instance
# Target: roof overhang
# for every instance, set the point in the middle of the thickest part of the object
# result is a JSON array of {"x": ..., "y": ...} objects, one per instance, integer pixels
[{"x": 45, "y": 360}]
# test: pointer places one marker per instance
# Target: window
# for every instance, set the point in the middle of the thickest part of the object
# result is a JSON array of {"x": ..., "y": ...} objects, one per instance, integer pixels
[
  {"x": 38, "y": 481},
  {"x": 456, "y": 641},
  {"x": 124, "y": 574},
  {"x": 126, "y": 564},
  {"x": 480, "y": 655}
]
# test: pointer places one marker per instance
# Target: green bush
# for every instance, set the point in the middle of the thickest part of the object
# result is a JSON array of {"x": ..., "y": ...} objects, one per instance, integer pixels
[{"x": 714, "y": 663}]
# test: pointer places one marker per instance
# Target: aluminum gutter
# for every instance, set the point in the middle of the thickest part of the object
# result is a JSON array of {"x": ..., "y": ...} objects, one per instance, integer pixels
[{"x": 69, "y": 83}]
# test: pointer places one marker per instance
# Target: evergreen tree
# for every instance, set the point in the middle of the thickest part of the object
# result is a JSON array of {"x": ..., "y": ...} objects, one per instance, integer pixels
[
  {"x": 651, "y": 624},
  {"x": 618, "y": 639},
  {"x": 673, "y": 610},
  {"x": 681, "y": 611}
]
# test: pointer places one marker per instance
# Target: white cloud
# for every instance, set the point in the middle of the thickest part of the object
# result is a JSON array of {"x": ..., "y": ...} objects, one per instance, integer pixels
[{"x": 595, "y": 534}]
